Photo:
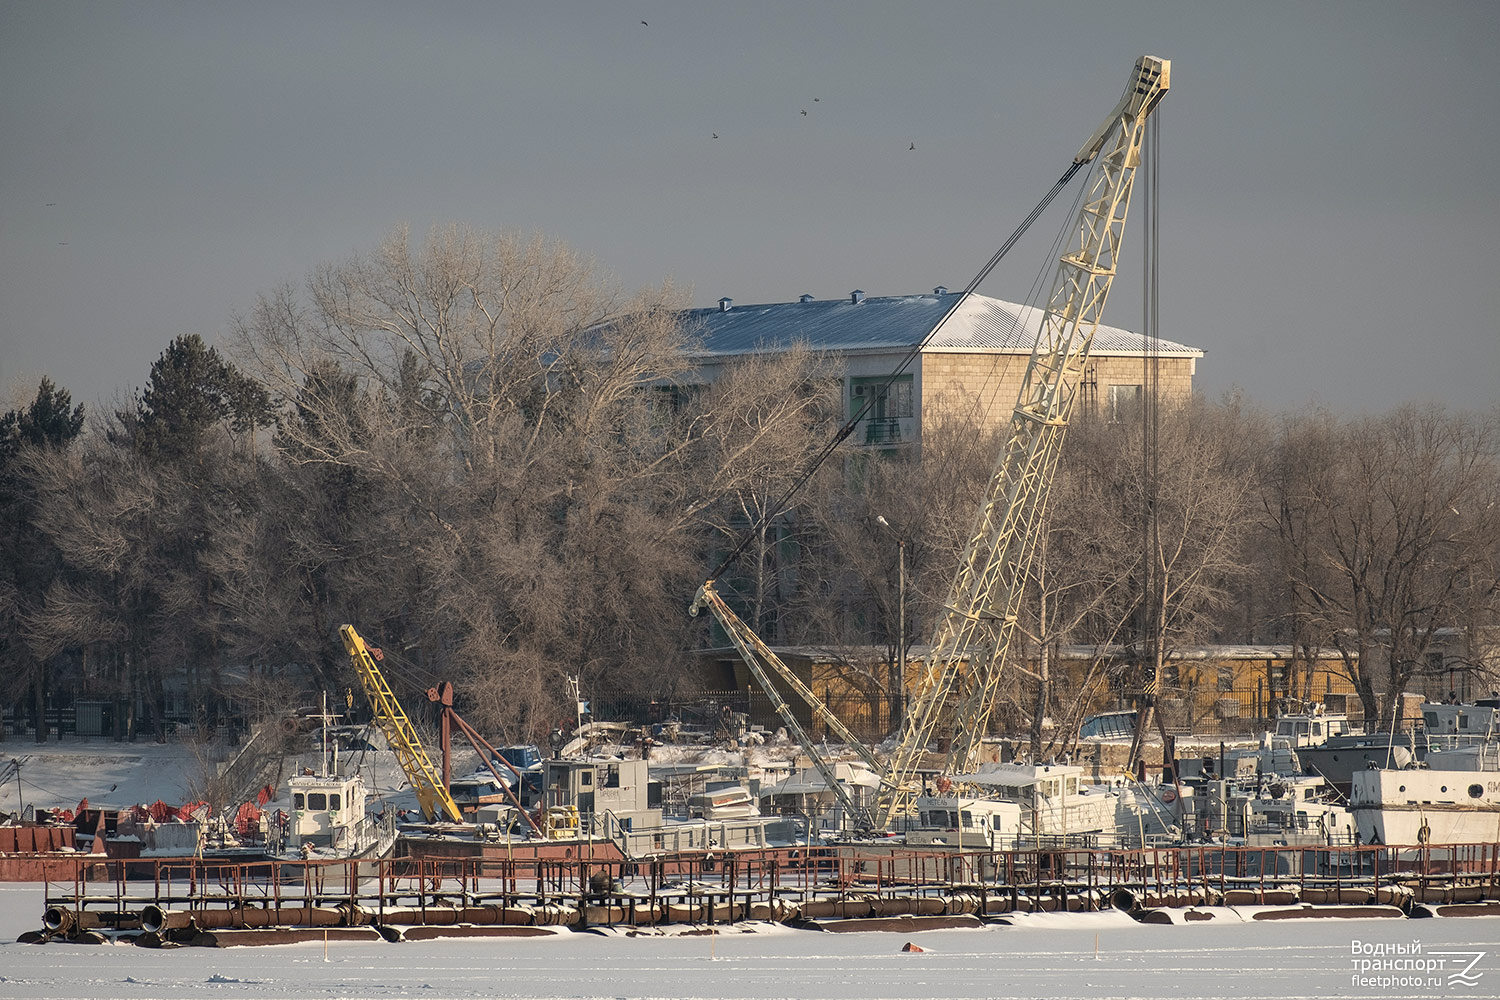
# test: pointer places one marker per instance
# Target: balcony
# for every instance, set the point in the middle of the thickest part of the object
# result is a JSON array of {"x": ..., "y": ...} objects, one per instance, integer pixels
[{"x": 882, "y": 430}]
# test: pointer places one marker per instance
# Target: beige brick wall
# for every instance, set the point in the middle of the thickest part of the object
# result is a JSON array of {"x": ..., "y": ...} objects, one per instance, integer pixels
[{"x": 987, "y": 385}]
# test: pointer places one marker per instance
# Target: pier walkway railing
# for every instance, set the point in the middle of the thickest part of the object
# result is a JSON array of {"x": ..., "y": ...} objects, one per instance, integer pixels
[{"x": 711, "y": 887}]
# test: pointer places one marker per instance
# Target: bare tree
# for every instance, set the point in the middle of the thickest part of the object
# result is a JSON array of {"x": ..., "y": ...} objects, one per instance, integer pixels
[
  {"x": 1391, "y": 526},
  {"x": 1192, "y": 544},
  {"x": 526, "y": 441}
]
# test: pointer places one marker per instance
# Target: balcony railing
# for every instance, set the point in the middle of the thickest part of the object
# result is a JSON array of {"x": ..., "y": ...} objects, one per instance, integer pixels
[{"x": 883, "y": 430}]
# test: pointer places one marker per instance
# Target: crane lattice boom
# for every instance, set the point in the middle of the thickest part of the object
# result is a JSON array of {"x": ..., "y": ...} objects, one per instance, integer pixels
[
  {"x": 961, "y": 676},
  {"x": 432, "y": 796}
]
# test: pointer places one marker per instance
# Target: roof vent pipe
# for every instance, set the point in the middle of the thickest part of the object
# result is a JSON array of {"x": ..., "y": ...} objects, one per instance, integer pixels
[
  {"x": 725, "y": 304},
  {"x": 805, "y": 298},
  {"x": 940, "y": 290},
  {"x": 857, "y": 296}
]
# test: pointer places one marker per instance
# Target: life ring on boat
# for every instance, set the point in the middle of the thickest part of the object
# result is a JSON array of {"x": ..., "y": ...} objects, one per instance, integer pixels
[{"x": 1169, "y": 795}]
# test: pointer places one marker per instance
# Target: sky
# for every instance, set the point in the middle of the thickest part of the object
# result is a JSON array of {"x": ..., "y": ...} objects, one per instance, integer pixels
[{"x": 1327, "y": 224}]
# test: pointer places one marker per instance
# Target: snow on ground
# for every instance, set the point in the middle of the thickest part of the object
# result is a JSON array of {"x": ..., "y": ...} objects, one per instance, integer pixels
[
  {"x": 59, "y": 773},
  {"x": 1052, "y": 956}
]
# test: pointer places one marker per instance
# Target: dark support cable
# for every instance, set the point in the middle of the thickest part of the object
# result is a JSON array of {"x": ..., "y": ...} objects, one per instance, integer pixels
[{"x": 817, "y": 460}]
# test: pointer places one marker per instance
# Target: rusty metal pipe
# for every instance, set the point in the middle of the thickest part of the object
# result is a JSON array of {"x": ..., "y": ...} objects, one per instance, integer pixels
[{"x": 155, "y": 919}]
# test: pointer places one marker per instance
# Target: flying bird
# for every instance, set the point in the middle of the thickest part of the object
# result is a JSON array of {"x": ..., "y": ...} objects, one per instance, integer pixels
[
  {"x": 804, "y": 112},
  {"x": 51, "y": 204},
  {"x": 816, "y": 99},
  {"x": 716, "y": 135},
  {"x": 62, "y": 244},
  {"x": 912, "y": 146},
  {"x": 647, "y": 25}
]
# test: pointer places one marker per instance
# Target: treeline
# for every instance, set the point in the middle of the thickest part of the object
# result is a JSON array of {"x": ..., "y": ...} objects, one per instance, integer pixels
[{"x": 496, "y": 464}]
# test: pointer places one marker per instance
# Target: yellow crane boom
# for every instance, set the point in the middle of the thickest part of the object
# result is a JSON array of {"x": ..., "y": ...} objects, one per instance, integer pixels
[{"x": 434, "y": 799}]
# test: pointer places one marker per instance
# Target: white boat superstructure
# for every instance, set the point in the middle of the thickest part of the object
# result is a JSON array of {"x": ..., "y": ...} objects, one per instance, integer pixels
[
  {"x": 1004, "y": 805},
  {"x": 1288, "y": 810},
  {"x": 328, "y": 819},
  {"x": 965, "y": 823},
  {"x": 1427, "y": 805},
  {"x": 1451, "y": 797}
]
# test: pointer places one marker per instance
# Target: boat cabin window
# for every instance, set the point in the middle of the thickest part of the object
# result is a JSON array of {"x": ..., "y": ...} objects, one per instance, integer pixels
[
  {"x": 1317, "y": 729},
  {"x": 1070, "y": 784},
  {"x": 317, "y": 800},
  {"x": 586, "y": 779},
  {"x": 967, "y": 818},
  {"x": 612, "y": 777},
  {"x": 297, "y": 802},
  {"x": 1430, "y": 718},
  {"x": 333, "y": 802}
]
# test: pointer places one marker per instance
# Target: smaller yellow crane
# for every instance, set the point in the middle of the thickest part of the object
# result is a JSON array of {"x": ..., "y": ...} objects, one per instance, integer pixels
[{"x": 434, "y": 799}]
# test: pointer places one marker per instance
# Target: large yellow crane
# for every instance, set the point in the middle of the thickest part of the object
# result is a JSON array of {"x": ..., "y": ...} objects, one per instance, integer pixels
[
  {"x": 960, "y": 678},
  {"x": 432, "y": 796}
]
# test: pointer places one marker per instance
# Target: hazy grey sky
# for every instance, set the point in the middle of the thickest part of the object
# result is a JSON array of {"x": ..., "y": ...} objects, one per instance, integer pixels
[{"x": 1328, "y": 217}]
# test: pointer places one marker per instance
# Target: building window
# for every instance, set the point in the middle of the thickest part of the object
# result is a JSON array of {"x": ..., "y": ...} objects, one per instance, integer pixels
[
  {"x": 884, "y": 406},
  {"x": 1124, "y": 402},
  {"x": 1226, "y": 678}
]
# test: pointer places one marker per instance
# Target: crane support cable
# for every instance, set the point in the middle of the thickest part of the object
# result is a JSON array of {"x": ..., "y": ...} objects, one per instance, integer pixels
[{"x": 774, "y": 510}]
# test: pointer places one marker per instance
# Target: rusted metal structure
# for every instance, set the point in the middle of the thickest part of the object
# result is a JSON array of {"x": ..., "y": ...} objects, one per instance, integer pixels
[{"x": 829, "y": 888}]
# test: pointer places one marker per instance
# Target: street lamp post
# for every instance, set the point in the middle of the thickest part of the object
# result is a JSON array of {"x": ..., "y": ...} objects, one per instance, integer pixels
[{"x": 900, "y": 621}]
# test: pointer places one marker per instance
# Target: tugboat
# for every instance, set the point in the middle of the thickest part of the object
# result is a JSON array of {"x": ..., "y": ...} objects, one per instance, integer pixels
[
  {"x": 1017, "y": 804},
  {"x": 328, "y": 818}
]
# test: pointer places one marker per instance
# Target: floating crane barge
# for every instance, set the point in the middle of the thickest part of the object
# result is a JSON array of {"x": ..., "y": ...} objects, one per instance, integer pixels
[{"x": 848, "y": 887}]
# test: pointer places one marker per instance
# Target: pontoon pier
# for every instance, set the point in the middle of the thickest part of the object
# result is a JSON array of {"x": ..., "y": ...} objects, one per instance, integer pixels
[{"x": 848, "y": 887}]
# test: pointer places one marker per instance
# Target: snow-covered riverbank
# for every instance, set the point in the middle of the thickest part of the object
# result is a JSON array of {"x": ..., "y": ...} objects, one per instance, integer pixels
[{"x": 1049, "y": 956}]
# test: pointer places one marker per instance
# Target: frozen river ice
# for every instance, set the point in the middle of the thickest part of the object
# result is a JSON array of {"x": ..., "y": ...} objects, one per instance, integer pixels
[{"x": 1050, "y": 956}]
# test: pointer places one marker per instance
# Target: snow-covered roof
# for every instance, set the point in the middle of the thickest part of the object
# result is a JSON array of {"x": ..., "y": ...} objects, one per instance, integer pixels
[
  {"x": 1018, "y": 774},
  {"x": 810, "y": 781},
  {"x": 888, "y": 323}
]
